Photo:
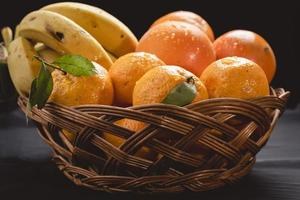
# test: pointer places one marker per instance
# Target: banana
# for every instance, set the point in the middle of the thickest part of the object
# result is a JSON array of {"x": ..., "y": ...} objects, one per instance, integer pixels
[
  {"x": 16, "y": 31},
  {"x": 3, "y": 54},
  {"x": 7, "y": 35},
  {"x": 63, "y": 35},
  {"x": 22, "y": 66},
  {"x": 114, "y": 36},
  {"x": 39, "y": 46},
  {"x": 48, "y": 54},
  {"x": 112, "y": 57}
]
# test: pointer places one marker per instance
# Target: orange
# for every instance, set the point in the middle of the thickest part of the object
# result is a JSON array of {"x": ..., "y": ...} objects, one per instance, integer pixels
[
  {"x": 153, "y": 87},
  {"x": 179, "y": 43},
  {"x": 235, "y": 77},
  {"x": 70, "y": 90},
  {"x": 188, "y": 17},
  {"x": 157, "y": 83},
  {"x": 127, "y": 70},
  {"x": 129, "y": 124},
  {"x": 249, "y": 45},
  {"x": 132, "y": 125}
]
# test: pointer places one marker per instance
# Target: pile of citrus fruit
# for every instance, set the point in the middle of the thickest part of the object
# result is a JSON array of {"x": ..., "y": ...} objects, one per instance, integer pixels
[{"x": 177, "y": 61}]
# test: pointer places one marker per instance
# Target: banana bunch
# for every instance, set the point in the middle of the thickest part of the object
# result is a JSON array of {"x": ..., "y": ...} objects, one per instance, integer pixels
[{"x": 65, "y": 28}]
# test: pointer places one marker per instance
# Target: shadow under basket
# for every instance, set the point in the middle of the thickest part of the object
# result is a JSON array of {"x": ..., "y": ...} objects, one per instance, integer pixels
[{"x": 199, "y": 147}]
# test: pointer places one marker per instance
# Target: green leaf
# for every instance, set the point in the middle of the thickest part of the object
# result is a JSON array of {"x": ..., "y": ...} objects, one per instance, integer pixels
[
  {"x": 41, "y": 88},
  {"x": 182, "y": 94},
  {"x": 76, "y": 65}
]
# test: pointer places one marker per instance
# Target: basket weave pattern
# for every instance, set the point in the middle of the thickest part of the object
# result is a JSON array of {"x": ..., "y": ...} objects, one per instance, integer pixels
[{"x": 198, "y": 147}]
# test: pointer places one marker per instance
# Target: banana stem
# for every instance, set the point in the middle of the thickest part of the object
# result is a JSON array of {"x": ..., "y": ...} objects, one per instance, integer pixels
[{"x": 7, "y": 36}]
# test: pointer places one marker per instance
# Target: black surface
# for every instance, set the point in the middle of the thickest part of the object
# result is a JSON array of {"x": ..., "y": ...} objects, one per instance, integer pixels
[
  {"x": 277, "y": 21},
  {"x": 26, "y": 171}
]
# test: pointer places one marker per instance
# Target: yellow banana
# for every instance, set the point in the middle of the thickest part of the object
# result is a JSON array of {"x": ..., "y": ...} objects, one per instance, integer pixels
[
  {"x": 7, "y": 35},
  {"x": 39, "y": 46},
  {"x": 114, "y": 36},
  {"x": 3, "y": 54},
  {"x": 22, "y": 66},
  {"x": 63, "y": 35},
  {"x": 16, "y": 31},
  {"x": 112, "y": 57},
  {"x": 48, "y": 54}
]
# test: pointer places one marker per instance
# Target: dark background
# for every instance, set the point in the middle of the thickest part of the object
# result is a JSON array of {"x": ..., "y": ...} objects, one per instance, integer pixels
[{"x": 277, "y": 21}]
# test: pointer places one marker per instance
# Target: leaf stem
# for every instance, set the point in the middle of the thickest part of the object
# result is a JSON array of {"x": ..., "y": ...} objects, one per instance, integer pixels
[
  {"x": 190, "y": 80},
  {"x": 49, "y": 64}
]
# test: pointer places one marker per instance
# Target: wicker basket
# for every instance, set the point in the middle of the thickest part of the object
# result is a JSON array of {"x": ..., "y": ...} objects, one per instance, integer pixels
[{"x": 227, "y": 133}]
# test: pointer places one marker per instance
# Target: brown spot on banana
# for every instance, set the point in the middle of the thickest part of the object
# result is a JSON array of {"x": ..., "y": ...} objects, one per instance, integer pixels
[
  {"x": 59, "y": 36},
  {"x": 32, "y": 18}
]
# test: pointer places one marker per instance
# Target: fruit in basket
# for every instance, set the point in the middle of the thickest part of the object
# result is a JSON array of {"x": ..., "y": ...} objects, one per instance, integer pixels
[
  {"x": 188, "y": 17},
  {"x": 235, "y": 77},
  {"x": 112, "y": 57},
  {"x": 68, "y": 28},
  {"x": 127, "y": 70},
  {"x": 111, "y": 33},
  {"x": 72, "y": 90},
  {"x": 168, "y": 84},
  {"x": 72, "y": 34},
  {"x": 249, "y": 45},
  {"x": 62, "y": 35},
  {"x": 179, "y": 43},
  {"x": 180, "y": 38},
  {"x": 162, "y": 84},
  {"x": 23, "y": 68},
  {"x": 135, "y": 126}
]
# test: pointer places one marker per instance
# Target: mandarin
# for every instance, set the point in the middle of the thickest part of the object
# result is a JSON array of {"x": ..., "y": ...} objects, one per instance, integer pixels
[
  {"x": 155, "y": 85},
  {"x": 135, "y": 126},
  {"x": 249, "y": 45},
  {"x": 127, "y": 70},
  {"x": 71, "y": 90},
  {"x": 235, "y": 77}
]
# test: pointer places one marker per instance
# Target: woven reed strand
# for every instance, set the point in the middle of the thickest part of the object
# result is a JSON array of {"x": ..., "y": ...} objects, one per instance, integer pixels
[{"x": 227, "y": 133}]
